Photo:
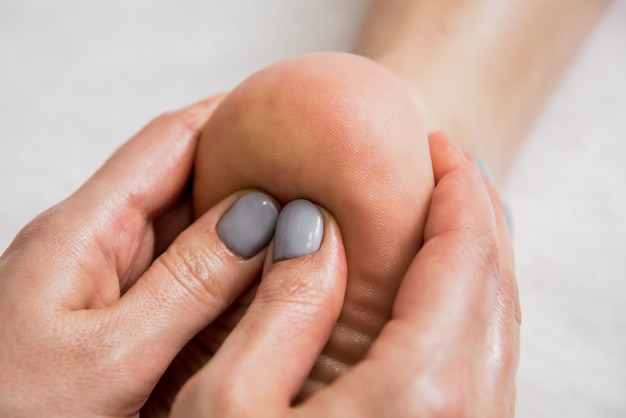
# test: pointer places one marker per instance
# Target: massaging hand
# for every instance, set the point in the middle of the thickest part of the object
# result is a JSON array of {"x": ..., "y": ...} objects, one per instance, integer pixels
[
  {"x": 89, "y": 324},
  {"x": 89, "y": 320},
  {"x": 449, "y": 350}
]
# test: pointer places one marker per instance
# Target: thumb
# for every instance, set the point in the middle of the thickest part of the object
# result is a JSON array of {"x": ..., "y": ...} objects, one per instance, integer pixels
[
  {"x": 202, "y": 272},
  {"x": 262, "y": 365}
]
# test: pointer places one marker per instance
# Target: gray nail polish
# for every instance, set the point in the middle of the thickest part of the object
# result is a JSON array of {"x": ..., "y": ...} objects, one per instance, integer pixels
[
  {"x": 249, "y": 224},
  {"x": 483, "y": 167},
  {"x": 299, "y": 230}
]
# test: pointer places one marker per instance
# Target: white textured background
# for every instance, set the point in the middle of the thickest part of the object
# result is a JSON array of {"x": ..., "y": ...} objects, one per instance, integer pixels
[{"x": 78, "y": 77}]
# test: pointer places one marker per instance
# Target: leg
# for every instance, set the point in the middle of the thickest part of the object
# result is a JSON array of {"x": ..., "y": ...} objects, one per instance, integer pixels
[{"x": 484, "y": 68}]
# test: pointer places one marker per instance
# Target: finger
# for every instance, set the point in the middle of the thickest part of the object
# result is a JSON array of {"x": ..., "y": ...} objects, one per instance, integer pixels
[
  {"x": 151, "y": 170},
  {"x": 508, "y": 282},
  {"x": 443, "y": 305},
  {"x": 140, "y": 181},
  {"x": 264, "y": 361},
  {"x": 507, "y": 289},
  {"x": 500, "y": 349},
  {"x": 171, "y": 223},
  {"x": 458, "y": 266},
  {"x": 194, "y": 280},
  {"x": 91, "y": 245}
]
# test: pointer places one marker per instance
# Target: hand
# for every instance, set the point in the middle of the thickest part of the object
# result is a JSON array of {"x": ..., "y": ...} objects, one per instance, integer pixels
[
  {"x": 95, "y": 298},
  {"x": 449, "y": 350}
]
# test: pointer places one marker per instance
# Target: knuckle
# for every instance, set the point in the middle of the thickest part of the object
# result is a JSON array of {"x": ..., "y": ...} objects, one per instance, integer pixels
[
  {"x": 453, "y": 404},
  {"x": 487, "y": 252},
  {"x": 194, "y": 266},
  {"x": 182, "y": 122},
  {"x": 450, "y": 405},
  {"x": 508, "y": 297},
  {"x": 295, "y": 287},
  {"x": 186, "y": 122},
  {"x": 444, "y": 396},
  {"x": 229, "y": 396},
  {"x": 37, "y": 228}
]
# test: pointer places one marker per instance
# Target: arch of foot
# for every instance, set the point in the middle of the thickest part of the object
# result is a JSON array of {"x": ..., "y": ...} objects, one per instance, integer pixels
[{"x": 341, "y": 131}]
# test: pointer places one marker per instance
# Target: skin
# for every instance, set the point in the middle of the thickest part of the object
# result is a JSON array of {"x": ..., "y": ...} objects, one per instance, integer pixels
[
  {"x": 90, "y": 314},
  {"x": 450, "y": 348},
  {"x": 481, "y": 70},
  {"x": 279, "y": 129},
  {"x": 349, "y": 140},
  {"x": 101, "y": 292}
]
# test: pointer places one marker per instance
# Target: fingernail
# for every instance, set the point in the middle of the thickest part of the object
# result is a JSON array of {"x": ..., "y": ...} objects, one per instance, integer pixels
[
  {"x": 299, "y": 230},
  {"x": 508, "y": 217},
  {"x": 249, "y": 224},
  {"x": 482, "y": 166}
]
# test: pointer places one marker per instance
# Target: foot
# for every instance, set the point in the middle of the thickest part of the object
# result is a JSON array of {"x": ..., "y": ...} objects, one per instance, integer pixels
[{"x": 345, "y": 133}]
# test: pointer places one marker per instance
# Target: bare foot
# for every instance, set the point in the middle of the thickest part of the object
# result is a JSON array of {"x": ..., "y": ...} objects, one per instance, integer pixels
[{"x": 341, "y": 131}]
